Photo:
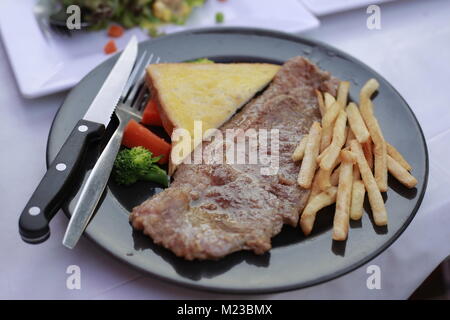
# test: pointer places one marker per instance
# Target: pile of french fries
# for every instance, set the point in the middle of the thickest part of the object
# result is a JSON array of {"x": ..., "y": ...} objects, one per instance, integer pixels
[{"x": 345, "y": 156}]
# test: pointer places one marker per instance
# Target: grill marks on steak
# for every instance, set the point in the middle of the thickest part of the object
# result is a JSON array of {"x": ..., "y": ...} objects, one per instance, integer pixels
[{"x": 210, "y": 211}]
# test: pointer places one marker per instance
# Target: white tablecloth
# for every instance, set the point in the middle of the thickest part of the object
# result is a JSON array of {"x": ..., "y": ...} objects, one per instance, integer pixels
[{"x": 411, "y": 51}]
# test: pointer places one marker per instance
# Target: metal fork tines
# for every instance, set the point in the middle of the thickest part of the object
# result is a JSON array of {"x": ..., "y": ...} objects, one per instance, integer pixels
[
  {"x": 135, "y": 92},
  {"x": 133, "y": 101},
  {"x": 130, "y": 106}
]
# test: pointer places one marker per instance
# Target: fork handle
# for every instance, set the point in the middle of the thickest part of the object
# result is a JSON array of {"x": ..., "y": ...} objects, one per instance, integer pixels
[{"x": 93, "y": 189}]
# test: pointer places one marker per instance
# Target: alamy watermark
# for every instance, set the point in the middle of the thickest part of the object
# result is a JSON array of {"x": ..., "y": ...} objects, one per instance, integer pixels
[
  {"x": 235, "y": 146},
  {"x": 73, "y": 281},
  {"x": 73, "y": 20},
  {"x": 374, "y": 280},
  {"x": 373, "y": 21}
]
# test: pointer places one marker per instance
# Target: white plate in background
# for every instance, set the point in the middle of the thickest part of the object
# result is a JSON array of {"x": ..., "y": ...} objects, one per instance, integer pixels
[
  {"x": 324, "y": 7},
  {"x": 44, "y": 62}
]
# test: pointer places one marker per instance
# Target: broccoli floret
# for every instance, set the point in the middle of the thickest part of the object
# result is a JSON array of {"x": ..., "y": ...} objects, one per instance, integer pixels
[{"x": 136, "y": 164}]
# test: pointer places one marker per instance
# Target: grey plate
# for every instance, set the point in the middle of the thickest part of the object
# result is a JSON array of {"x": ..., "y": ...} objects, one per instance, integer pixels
[{"x": 294, "y": 261}]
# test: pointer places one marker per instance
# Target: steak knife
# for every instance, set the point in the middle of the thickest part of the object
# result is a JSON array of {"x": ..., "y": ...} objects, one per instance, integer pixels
[{"x": 55, "y": 185}]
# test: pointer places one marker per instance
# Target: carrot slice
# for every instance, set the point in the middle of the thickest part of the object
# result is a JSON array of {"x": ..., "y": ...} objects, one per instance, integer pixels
[
  {"x": 110, "y": 47},
  {"x": 151, "y": 114},
  {"x": 136, "y": 135},
  {"x": 115, "y": 31}
]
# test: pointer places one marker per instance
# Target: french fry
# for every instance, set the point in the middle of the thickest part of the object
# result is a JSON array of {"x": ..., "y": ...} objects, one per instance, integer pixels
[
  {"x": 322, "y": 154},
  {"x": 309, "y": 164},
  {"x": 368, "y": 153},
  {"x": 315, "y": 188},
  {"x": 344, "y": 175},
  {"x": 334, "y": 179},
  {"x": 339, "y": 135},
  {"x": 323, "y": 179},
  {"x": 328, "y": 99},
  {"x": 357, "y": 124},
  {"x": 394, "y": 153},
  {"x": 368, "y": 89},
  {"x": 373, "y": 192},
  {"x": 343, "y": 197},
  {"x": 379, "y": 150},
  {"x": 327, "y": 125},
  {"x": 380, "y": 165},
  {"x": 400, "y": 173},
  {"x": 324, "y": 176},
  {"x": 300, "y": 149},
  {"x": 321, "y": 102},
  {"x": 358, "y": 192},
  {"x": 319, "y": 202},
  {"x": 350, "y": 137},
  {"x": 342, "y": 93}
]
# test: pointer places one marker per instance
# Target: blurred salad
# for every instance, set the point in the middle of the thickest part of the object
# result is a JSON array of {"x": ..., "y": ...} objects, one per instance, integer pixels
[{"x": 147, "y": 14}]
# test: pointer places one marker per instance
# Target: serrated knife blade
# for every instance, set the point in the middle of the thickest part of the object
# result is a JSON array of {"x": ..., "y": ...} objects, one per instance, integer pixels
[{"x": 105, "y": 101}]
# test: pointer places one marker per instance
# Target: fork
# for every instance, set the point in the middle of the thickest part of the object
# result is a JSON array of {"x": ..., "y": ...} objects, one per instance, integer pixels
[{"x": 130, "y": 106}]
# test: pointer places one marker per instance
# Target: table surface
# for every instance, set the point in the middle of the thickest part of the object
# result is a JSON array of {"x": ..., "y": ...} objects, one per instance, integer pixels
[{"x": 411, "y": 50}]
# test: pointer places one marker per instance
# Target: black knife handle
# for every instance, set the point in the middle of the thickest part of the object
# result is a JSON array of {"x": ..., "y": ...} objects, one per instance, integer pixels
[{"x": 55, "y": 185}]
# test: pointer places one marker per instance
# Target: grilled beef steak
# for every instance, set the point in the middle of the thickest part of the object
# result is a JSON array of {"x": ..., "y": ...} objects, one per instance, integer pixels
[{"x": 211, "y": 210}]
